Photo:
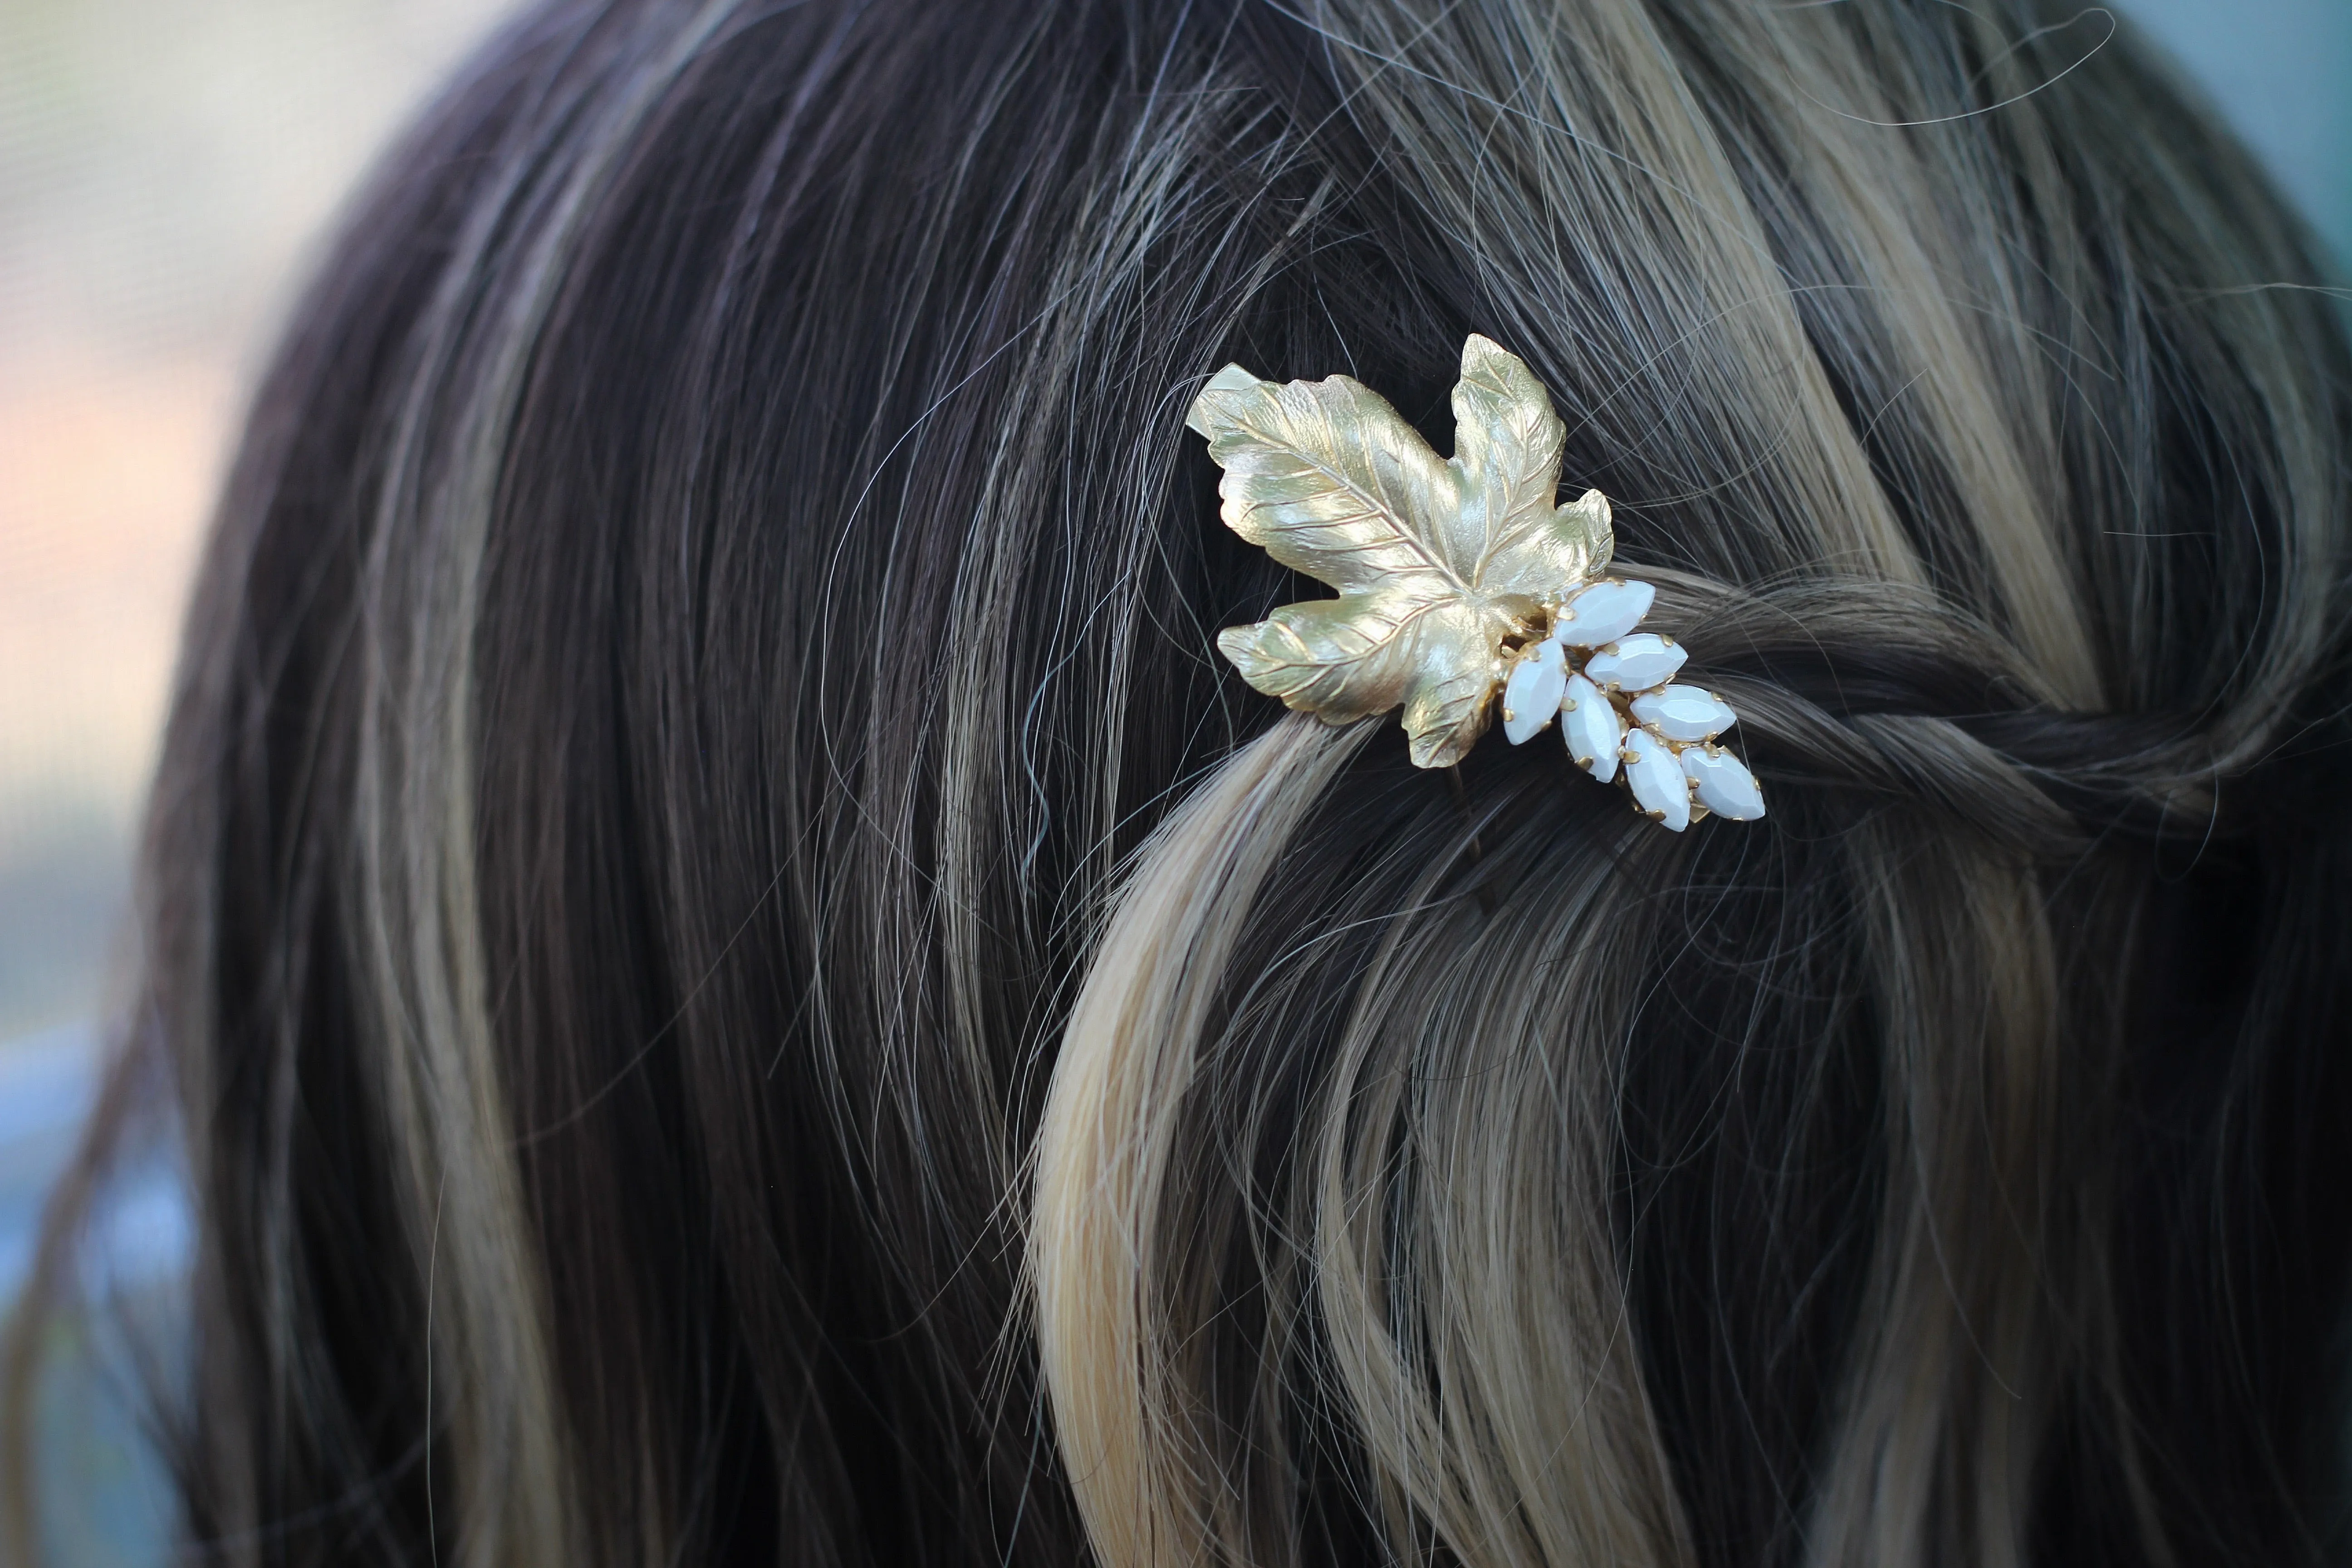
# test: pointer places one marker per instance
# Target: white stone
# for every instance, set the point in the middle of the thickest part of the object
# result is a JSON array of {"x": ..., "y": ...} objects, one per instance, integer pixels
[
  {"x": 1684, "y": 712},
  {"x": 1592, "y": 728},
  {"x": 1603, "y": 613},
  {"x": 1635, "y": 663},
  {"x": 1532, "y": 694},
  {"x": 1726, "y": 787},
  {"x": 1656, "y": 780}
]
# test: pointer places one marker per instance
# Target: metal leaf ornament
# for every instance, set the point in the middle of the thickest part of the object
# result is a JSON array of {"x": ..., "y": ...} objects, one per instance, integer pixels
[{"x": 1458, "y": 579}]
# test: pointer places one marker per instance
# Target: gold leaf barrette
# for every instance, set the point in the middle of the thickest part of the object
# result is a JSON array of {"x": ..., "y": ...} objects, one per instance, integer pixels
[{"x": 1458, "y": 578}]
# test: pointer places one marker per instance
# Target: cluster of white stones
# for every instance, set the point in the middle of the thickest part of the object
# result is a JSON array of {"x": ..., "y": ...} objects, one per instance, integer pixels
[{"x": 1611, "y": 690}]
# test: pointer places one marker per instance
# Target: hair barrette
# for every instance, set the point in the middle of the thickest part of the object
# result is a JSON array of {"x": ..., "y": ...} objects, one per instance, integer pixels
[{"x": 1458, "y": 579}]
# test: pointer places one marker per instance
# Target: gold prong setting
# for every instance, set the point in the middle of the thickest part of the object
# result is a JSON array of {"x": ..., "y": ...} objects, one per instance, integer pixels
[{"x": 1621, "y": 712}]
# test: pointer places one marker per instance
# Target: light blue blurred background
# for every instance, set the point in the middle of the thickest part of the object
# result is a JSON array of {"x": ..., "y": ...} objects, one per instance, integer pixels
[{"x": 164, "y": 167}]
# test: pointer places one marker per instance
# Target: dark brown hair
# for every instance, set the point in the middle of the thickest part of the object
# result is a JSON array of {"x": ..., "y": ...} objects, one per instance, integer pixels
[{"x": 744, "y": 985}]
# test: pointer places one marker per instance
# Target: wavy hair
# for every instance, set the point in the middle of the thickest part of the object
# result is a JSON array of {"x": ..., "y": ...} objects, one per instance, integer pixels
[{"x": 742, "y": 985}]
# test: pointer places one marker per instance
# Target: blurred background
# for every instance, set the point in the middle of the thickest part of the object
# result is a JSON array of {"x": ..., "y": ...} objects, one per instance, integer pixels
[{"x": 167, "y": 168}]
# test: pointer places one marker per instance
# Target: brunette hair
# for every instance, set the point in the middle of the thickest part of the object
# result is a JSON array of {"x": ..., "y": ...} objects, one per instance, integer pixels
[{"x": 743, "y": 984}]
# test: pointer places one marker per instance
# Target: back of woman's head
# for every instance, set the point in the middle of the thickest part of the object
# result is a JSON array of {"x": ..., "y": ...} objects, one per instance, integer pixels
[{"x": 747, "y": 986}]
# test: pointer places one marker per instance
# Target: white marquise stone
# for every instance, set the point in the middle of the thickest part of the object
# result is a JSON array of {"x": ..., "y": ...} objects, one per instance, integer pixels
[
  {"x": 1635, "y": 663},
  {"x": 1532, "y": 694},
  {"x": 1656, "y": 779},
  {"x": 1603, "y": 613},
  {"x": 1592, "y": 728},
  {"x": 1684, "y": 712},
  {"x": 1726, "y": 787}
]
